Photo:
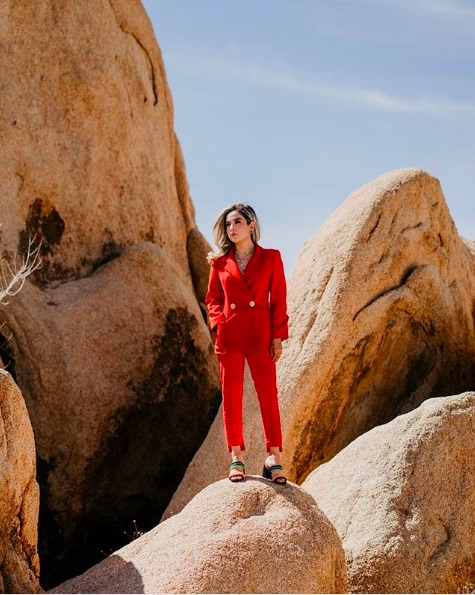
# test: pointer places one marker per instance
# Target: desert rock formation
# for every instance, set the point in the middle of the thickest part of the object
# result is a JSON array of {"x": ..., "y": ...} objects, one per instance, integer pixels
[
  {"x": 254, "y": 537},
  {"x": 126, "y": 349},
  {"x": 381, "y": 307},
  {"x": 107, "y": 340},
  {"x": 383, "y": 316},
  {"x": 89, "y": 159},
  {"x": 402, "y": 498},
  {"x": 19, "y": 494}
]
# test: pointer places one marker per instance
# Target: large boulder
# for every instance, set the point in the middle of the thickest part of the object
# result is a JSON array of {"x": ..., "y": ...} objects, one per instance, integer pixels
[
  {"x": 402, "y": 498},
  {"x": 254, "y": 537},
  {"x": 119, "y": 363},
  {"x": 107, "y": 340},
  {"x": 381, "y": 306},
  {"x": 89, "y": 159},
  {"x": 382, "y": 310},
  {"x": 19, "y": 494}
]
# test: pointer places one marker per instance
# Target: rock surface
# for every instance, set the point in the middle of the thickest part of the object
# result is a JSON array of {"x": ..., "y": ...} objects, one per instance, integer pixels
[
  {"x": 19, "y": 494},
  {"x": 107, "y": 340},
  {"x": 383, "y": 316},
  {"x": 254, "y": 537},
  {"x": 123, "y": 363},
  {"x": 381, "y": 306},
  {"x": 89, "y": 159},
  {"x": 402, "y": 498}
]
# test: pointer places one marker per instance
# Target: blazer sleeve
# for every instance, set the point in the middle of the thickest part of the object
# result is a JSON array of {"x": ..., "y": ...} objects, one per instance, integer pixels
[
  {"x": 214, "y": 299},
  {"x": 278, "y": 300}
]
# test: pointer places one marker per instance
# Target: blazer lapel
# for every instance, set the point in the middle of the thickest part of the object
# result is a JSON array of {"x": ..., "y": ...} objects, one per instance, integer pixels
[
  {"x": 233, "y": 269},
  {"x": 255, "y": 259},
  {"x": 231, "y": 266}
]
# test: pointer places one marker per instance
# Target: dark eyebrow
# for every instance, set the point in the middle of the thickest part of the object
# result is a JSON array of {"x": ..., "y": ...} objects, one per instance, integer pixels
[{"x": 234, "y": 219}]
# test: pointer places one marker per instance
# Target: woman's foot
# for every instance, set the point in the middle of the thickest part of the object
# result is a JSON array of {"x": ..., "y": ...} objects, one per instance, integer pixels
[
  {"x": 273, "y": 469},
  {"x": 236, "y": 472}
]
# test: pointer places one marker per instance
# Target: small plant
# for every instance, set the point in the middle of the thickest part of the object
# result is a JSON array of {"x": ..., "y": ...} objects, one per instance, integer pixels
[
  {"x": 105, "y": 554},
  {"x": 467, "y": 588},
  {"x": 136, "y": 533},
  {"x": 465, "y": 578}
]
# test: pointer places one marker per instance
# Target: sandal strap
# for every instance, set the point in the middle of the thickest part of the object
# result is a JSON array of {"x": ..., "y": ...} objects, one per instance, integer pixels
[
  {"x": 275, "y": 468},
  {"x": 236, "y": 464}
]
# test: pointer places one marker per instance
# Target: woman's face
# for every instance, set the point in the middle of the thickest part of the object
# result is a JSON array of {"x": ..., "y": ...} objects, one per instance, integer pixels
[{"x": 237, "y": 228}]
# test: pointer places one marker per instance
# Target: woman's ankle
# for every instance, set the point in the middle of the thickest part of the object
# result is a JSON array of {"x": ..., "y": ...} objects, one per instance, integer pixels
[
  {"x": 236, "y": 454},
  {"x": 274, "y": 456}
]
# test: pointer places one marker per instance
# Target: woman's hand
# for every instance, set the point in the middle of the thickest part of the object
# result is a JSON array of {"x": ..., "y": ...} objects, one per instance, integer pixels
[{"x": 276, "y": 349}]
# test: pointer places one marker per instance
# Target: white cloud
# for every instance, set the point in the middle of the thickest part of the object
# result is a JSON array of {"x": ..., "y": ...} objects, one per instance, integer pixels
[
  {"x": 235, "y": 70},
  {"x": 445, "y": 8}
]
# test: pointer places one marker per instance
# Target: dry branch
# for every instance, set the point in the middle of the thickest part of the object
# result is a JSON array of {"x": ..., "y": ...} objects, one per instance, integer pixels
[{"x": 13, "y": 275}]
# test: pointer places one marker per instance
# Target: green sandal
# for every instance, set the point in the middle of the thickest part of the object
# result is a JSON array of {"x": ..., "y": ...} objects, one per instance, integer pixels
[
  {"x": 267, "y": 474},
  {"x": 236, "y": 477}
]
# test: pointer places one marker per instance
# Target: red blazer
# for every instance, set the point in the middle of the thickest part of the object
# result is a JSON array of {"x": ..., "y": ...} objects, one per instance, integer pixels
[{"x": 250, "y": 308}]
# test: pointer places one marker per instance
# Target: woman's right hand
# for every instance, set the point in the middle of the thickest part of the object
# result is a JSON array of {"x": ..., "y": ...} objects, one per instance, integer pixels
[
  {"x": 276, "y": 349},
  {"x": 217, "y": 336}
]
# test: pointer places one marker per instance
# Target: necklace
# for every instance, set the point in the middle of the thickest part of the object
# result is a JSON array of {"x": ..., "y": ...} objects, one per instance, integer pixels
[
  {"x": 243, "y": 259},
  {"x": 244, "y": 254}
]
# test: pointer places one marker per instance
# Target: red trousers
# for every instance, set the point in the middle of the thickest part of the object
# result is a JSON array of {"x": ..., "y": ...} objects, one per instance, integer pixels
[{"x": 231, "y": 367}]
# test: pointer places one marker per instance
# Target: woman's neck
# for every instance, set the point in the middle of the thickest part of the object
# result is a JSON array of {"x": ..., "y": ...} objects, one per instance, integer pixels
[{"x": 246, "y": 245}]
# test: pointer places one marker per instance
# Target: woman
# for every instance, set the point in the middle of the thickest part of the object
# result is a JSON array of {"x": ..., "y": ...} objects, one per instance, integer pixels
[{"x": 247, "y": 307}]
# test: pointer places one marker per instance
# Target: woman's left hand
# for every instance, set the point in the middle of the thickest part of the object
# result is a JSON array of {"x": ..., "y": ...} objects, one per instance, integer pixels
[{"x": 276, "y": 349}]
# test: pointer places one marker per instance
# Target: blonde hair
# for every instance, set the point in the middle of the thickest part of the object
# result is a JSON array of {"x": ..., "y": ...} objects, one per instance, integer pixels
[{"x": 220, "y": 236}]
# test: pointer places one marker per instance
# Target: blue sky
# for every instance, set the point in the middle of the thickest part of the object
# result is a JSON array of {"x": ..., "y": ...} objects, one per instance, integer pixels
[{"x": 290, "y": 105}]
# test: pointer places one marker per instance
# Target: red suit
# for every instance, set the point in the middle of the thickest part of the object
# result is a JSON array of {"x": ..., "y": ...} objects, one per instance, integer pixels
[{"x": 249, "y": 310}]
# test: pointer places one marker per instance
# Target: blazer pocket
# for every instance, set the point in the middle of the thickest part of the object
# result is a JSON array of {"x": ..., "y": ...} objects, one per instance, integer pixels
[{"x": 220, "y": 338}]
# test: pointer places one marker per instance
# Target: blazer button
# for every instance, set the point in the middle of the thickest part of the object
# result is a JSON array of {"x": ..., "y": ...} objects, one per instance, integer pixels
[
  {"x": 232, "y": 306},
  {"x": 252, "y": 304}
]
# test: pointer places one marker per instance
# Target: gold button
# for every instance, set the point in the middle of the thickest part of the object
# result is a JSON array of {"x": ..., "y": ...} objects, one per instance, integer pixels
[{"x": 232, "y": 306}]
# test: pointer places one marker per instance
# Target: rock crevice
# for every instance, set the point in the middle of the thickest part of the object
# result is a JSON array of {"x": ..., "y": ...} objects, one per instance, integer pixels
[{"x": 392, "y": 290}]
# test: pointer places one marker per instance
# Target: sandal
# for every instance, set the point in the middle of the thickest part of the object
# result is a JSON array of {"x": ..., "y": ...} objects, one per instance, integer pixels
[
  {"x": 238, "y": 475},
  {"x": 267, "y": 474}
]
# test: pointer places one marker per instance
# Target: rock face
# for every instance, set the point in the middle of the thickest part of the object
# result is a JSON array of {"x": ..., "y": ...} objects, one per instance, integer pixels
[
  {"x": 19, "y": 494},
  {"x": 90, "y": 161},
  {"x": 402, "y": 498},
  {"x": 107, "y": 340},
  {"x": 382, "y": 310},
  {"x": 382, "y": 307},
  {"x": 125, "y": 379},
  {"x": 253, "y": 537}
]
